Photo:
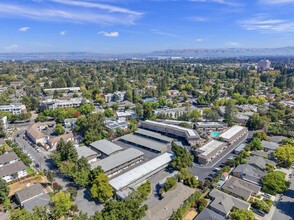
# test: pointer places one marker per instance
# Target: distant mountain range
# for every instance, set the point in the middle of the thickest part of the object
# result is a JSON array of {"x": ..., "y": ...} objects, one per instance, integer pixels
[{"x": 197, "y": 53}]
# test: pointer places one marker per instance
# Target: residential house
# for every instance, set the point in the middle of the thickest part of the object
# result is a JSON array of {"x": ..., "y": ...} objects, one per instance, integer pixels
[
  {"x": 52, "y": 142},
  {"x": 240, "y": 188},
  {"x": 8, "y": 158},
  {"x": 248, "y": 173},
  {"x": 32, "y": 196},
  {"x": 223, "y": 203},
  {"x": 259, "y": 162},
  {"x": 13, "y": 171}
]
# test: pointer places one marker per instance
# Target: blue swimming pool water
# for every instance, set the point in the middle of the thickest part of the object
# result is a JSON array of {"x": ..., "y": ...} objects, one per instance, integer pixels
[{"x": 215, "y": 134}]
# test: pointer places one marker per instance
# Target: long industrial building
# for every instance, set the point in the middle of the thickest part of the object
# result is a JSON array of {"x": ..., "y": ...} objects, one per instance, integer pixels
[
  {"x": 233, "y": 134},
  {"x": 210, "y": 150},
  {"x": 105, "y": 148},
  {"x": 144, "y": 143},
  {"x": 153, "y": 135},
  {"x": 190, "y": 135},
  {"x": 142, "y": 172},
  {"x": 120, "y": 161}
]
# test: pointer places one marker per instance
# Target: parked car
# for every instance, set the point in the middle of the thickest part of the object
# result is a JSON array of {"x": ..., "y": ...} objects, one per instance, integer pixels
[
  {"x": 38, "y": 150},
  {"x": 259, "y": 212},
  {"x": 216, "y": 169}
]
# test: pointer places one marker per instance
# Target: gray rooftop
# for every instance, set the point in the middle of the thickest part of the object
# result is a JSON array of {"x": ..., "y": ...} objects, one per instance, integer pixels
[
  {"x": 29, "y": 192},
  {"x": 145, "y": 142},
  {"x": 270, "y": 145},
  {"x": 117, "y": 159},
  {"x": 106, "y": 147},
  {"x": 171, "y": 201},
  {"x": 240, "y": 147},
  {"x": 259, "y": 162},
  {"x": 240, "y": 187},
  {"x": 249, "y": 173},
  {"x": 154, "y": 135},
  {"x": 224, "y": 202},
  {"x": 208, "y": 214},
  {"x": 7, "y": 157},
  {"x": 13, "y": 168},
  {"x": 41, "y": 200},
  {"x": 116, "y": 124},
  {"x": 86, "y": 152}
]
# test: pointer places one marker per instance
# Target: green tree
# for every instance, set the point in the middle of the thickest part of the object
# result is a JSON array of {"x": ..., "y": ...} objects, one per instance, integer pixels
[
  {"x": 101, "y": 190},
  {"x": 147, "y": 112},
  {"x": 61, "y": 203},
  {"x": 230, "y": 112},
  {"x": 4, "y": 191},
  {"x": 108, "y": 113},
  {"x": 182, "y": 159},
  {"x": 22, "y": 214},
  {"x": 255, "y": 144},
  {"x": 242, "y": 214},
  {"x": 139, "y": 111},
  {"x": 2, "y": 132},
  {"x": 274, "y": 182},
  {"x": 81, "y": 172},
  {"x": 256, "y": 122},
  {"x": 285, "y": 154},
  {"x": 169, "y": 183},
  {"x": 59, "y": 129},
  {"x": 41, "y": 212}
]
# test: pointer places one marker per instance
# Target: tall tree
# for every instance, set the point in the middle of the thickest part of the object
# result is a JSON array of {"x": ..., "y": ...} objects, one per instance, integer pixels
[
  {"x": 230, "y": 112},
  {"x": 101, "y": 190},
  {"x": 61, "y": 203},
  {"x": 4, "y": 191}
]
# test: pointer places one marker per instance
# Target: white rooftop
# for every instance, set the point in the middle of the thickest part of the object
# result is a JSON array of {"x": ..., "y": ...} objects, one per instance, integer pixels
[
  {"x": 191, "y": 132},
  {"x": 139, "y": 172},
  {"x": 210, "y": 146},
  {"x": 231, "y": 132}
]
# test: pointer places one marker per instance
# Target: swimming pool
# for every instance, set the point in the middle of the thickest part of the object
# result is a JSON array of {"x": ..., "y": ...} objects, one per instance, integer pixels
[{"x": 215, "y": 134}]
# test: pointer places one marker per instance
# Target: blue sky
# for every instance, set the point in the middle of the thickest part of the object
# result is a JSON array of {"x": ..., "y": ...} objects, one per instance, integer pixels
[{"x": 120, "y": 26}]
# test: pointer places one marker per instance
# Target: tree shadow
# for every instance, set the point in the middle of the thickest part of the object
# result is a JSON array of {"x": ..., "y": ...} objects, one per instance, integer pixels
[
  {"x": 289, "y": 193},
  {"x": 286, "y": 208},
  {"x": 87, "y": 196}
]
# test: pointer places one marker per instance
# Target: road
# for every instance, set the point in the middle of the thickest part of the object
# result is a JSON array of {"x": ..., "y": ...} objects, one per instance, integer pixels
[
  {"x": 202, "y": 171},
  {"x": 38, "y": 158},
  {"x": 284, "y": 207}
]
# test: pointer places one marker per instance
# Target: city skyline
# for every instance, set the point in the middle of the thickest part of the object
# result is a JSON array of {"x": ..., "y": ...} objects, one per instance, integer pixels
[{"x": 111, "y": 26}]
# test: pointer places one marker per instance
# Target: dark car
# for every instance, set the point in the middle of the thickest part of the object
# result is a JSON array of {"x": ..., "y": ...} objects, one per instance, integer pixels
[{"x": 259, "y": 212}]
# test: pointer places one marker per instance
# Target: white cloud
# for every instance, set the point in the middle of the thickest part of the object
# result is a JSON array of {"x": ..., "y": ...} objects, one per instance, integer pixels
[
  {"x": 159, "y": 32},
  {"x": 65, "y": 15},
  {"x": 265, "y": 25},
  {"x": 109, "y": 8},
  {"x": 199, "y": 40},
  {"x": 223, "y": 2},
  {"x": 24, "y": 29},
  {"x": 62, "y": 33},
  {"x": 11, "y": 47},
  {"x": 277, "y": 2},
  {"x": 233, "y": 44},
  {"x": 198, "y": 19},
  {"x": 109, "y": 34}
]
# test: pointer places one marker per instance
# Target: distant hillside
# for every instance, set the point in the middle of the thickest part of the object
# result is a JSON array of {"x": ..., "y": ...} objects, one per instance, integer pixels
[
  {"x": 197, "y": 53},
  {"x": 227, "y": 52}
]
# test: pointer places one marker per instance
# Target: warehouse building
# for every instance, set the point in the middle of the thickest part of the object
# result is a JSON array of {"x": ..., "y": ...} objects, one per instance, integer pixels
[
  {"x": 210, "y": 150},
  {"x": 153, "y": 135},
  {"x": 141, "y": 173},
  {"x": 190, "y": 135},
  {"x": 233, "y": 134},
  {"x": 144, "y": 143},
  {"x": 120, "y": 161},
  {"x": 105, "y": 148}
]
